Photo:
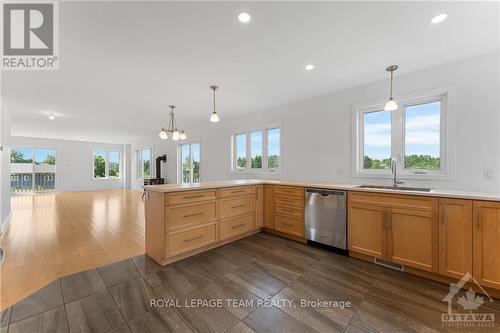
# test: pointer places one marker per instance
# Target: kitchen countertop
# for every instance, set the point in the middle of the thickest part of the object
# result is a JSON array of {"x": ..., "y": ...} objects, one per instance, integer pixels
[{"x": 492, "y": 196}]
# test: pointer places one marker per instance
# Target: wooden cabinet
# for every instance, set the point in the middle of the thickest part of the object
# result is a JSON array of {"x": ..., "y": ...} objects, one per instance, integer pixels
[
  {"x": 269, "y": 207},
  {"x": 486, "y": 243},
  {"x": 412, "y": 237},
  {"x": 259, "y": 206},
  {"x": 398, "y": 228},
  {"x": 236, "y": 226},
  {"x": 236, "y": 206},
  {"x": 366, "y": 231},
  {"x": 180, "y": 224},
  {"x": 455, "y": 237},
  {"x": 184, "y": 197}
]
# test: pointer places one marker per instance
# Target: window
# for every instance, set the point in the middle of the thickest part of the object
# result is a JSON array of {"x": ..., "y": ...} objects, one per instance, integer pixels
[
  {"x": 377, "y": 140},
  {"x": 143, "y": 163},
  {"x": 241, "y": 151},
  {"x": 190, "y": 159},
  {"x": 106, "y": 164},
  {"x": 257, "y": 150},
  {"x": 99, "y": 164},
  {"x": 114, "y": 164},
  {"x": 422, "y": 136},
  {"x": 416, "y": 134},
  {"x": 30, "y": 167}
]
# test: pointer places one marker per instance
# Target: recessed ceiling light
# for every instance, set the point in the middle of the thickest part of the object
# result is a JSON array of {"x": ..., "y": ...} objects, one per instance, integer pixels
[
  {"x": 309, "y": 67},
  {"x": 81, "y": 139},
  {"x": 244, "y": 17},
  {"x": 439, "y": 18},
  {"x": 51, "y": 116}
]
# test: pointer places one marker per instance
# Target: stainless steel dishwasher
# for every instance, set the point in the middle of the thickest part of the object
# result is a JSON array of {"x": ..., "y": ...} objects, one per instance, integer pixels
[{"x": 325, "y": 217}]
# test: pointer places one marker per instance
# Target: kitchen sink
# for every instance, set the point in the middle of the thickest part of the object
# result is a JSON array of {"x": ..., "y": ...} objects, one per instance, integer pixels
[{"x": 399, "y": 188}]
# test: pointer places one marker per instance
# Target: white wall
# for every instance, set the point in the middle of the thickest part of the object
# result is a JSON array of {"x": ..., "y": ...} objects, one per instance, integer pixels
[
  {"x": 4, "y": 166},
  {"x": 317, "y": 133},
  {"x": 159, "y": 147},
  {"x": 74, "y": 163}
]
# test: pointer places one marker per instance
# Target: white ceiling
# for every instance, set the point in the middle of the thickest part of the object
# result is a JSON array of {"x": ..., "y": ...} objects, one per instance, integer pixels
[{"x": 123, "y": 63}]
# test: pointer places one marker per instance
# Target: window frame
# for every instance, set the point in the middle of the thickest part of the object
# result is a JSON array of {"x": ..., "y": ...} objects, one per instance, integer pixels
[
  {"x": 265, "y": 156},
  {"x": 179, "y": 161},
  {"x": 106, "y": 164},
  {"x": 34, "y": 148},
  {"x": 398, "y": 136}
]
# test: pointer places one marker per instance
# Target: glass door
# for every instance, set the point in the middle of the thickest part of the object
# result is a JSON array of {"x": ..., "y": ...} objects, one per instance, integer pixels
[{"x": 32, "y": 170}]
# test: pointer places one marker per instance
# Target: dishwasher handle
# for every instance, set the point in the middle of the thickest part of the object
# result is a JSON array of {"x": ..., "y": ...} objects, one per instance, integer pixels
[{"x": 325, "y": 192}]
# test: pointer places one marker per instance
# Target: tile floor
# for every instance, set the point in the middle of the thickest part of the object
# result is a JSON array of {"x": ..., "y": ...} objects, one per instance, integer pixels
[{"x": 261, "y": 283}]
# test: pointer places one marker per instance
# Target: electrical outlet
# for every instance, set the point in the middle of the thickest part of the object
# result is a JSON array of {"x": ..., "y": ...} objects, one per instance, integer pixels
[{"x": 489, "y": 174}]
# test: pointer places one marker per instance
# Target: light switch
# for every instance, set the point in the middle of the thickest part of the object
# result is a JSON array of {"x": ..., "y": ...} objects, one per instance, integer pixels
[{"x": 489, "y": 174}]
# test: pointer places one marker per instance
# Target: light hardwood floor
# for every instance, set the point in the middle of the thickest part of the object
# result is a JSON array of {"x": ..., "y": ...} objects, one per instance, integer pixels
[{"x": 58, "y": 234}]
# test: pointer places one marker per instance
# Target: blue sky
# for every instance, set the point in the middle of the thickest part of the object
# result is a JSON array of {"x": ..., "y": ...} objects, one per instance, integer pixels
[{"x": 422, "y": 131}]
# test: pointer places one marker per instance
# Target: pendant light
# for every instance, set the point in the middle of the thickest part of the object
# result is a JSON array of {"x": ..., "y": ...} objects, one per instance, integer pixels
[
  {"x": 391, "y": 104},
  {"x": 177, "y": 134},
  {"x": 214, "y": 118}
]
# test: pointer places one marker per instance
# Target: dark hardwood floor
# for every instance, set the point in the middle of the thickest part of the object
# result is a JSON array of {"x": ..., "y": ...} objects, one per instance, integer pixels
[{"x": 262, "y": 283}]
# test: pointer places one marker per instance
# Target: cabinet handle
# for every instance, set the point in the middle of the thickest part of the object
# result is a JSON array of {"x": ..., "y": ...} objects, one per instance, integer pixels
[
  {"x": 237, "y": 226},
  {"x": 196, "y": 214},
  {"x": 192, "y": 239},
  {"x": 237, "y": 191},
  {"x": 238, "y": 206}
]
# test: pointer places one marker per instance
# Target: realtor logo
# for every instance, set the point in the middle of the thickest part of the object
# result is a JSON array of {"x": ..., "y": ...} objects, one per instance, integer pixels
[
  {"x": 468, "y": 303},
  {"x": 30, "y": 36}
]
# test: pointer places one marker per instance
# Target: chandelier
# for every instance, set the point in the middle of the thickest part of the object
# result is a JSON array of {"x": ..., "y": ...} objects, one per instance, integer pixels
[{"x": 177, "y": 134}]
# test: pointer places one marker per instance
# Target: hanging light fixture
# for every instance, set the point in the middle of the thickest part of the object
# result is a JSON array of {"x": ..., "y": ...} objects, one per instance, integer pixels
[
  {"x": 177, "y": 134},
  {"x": 214, "y": 118},
  {"x": 391, "y": 104}
]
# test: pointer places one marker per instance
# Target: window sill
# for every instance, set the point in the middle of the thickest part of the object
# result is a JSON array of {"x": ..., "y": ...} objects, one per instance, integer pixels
[
  {"x": 107, "y": 178},
  {"x": 257, "y": 172},
  {"x": 405, "y": 176}
]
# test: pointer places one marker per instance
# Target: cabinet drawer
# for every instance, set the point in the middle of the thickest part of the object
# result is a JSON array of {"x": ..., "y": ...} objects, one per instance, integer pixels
[
  {"x": 236, "y": 226},
  {"x": 235, "y": 207},
  {"x": 395, "y": 200},
  {"x": 289, "y": 225},
  {"x": 289, "y": 201},
  {"x": 236, "y": 191},
  {"x": 289, "y": 211},
  {"x": 185, "y": 215},
  {"x": 184, "y": 241},
  {"x": 289, "y": 191},
  {"x": 188, "y": 197}
]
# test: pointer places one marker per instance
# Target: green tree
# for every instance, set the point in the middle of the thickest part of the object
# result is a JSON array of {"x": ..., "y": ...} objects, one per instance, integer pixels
[
  {"x": 114, "y": 169},
  {"x": 50, "y": 159},
  {"x": 273, "y": 161},
  {"x": 16, "y": 156},
  {"x": 241, "y": 162},
  {"x": 257, "y": 162},
  {"x": 147, "y": 169},
  {"x": 99, "y": 167}
]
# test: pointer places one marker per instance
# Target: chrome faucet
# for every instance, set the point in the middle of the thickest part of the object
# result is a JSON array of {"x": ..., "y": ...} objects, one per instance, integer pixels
[{"x": 394, "y": 167}]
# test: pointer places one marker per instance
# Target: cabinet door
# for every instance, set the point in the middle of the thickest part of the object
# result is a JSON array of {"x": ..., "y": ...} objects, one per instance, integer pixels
[
  {"x": 259, "y": 206},
  {"x": 268, "y": 207},
  {"x": 455, "y": 237},
  {"x": 366, "y": 230},
  {"x": 412, "y": 238},
  {"x": 486, "y": 243}
]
